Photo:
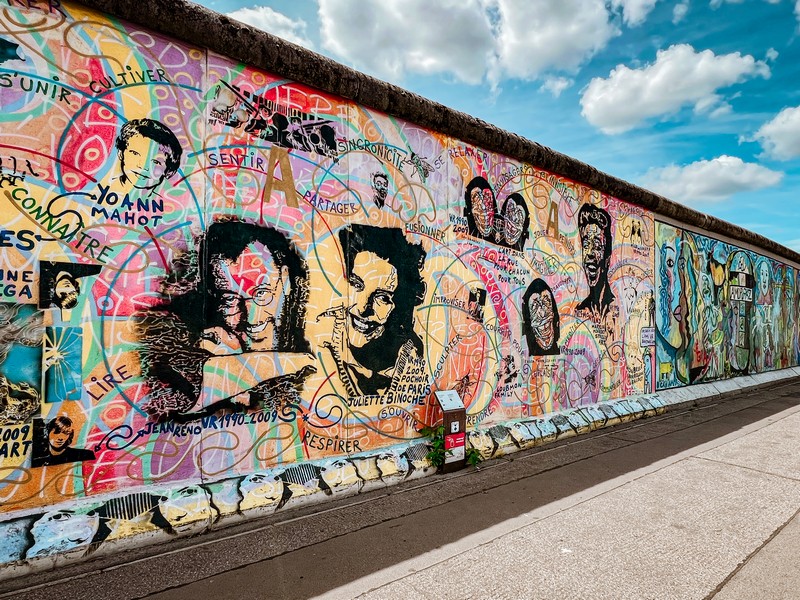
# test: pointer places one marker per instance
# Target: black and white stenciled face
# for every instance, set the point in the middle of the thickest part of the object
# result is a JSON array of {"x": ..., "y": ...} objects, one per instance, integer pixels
[
  {"x": 513, "y": 221},
  {"x": 483, "y": 210},
  {"x": 542, "y": 310},
  {"x": 250, "y": 294},
  {"x": 373, "y": 283},
  {"x": 144, "y": 162},
  {"x": 66, "y": 291},
  {"x": 593, "y": 243}
]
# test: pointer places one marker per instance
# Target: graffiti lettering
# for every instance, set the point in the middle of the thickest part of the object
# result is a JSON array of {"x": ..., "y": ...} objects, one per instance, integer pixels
[
  {"x": 109, "y": 82},
  {"x": 469, "y": 151},
  {"x": 384, "y": 152},
  {"x": 325, "y": 205},
  {"x": 417, "y": 227},
  {"x": 231, "y": 159},
  {"x": 474, "y": 419},
  {"x": 319, "y": 442},
  {"x": 513, "y": 173},
  {"x": 52, "y": 5},
  {"x": 742, "y": 294},
  {"x": 107, "y": 382},
  {"x": 25, "y": 239},
  {"x": 49, "y": 89}
]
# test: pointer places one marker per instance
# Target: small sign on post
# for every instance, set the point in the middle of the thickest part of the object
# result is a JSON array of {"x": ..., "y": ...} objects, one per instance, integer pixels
[{"x": 455, "y": 424}]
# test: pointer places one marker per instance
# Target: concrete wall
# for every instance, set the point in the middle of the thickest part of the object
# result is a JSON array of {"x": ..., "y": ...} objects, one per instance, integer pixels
[{"x": 226, "y": 291}]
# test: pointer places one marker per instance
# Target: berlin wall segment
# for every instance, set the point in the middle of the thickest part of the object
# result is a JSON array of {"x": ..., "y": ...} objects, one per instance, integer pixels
[{"x": 226, "y": 291}]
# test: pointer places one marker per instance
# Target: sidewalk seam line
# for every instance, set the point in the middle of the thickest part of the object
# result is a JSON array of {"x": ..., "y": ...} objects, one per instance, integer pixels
[
  {"x": 746, "y": 468},
  {"x": 747, "y": 559}
]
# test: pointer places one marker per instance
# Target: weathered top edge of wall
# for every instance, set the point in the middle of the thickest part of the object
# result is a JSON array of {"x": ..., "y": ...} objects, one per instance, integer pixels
[{"x": 200, "y": 26}]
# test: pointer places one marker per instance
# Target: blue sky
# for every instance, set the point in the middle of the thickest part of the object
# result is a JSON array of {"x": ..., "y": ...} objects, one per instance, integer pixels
[{"x": 698, "y": 100}]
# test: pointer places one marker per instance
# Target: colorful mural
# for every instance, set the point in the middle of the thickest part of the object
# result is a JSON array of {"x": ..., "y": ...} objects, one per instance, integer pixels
[
  {"x": 722, "y": 311},
  {"x": 220, "y": 284}
]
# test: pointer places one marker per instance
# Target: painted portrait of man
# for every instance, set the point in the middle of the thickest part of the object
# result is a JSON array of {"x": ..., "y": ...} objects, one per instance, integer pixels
[
  {"x": 60, "y": 285},
  {"x": 594, "y": 227},
  {"x": 380, "y": 188},
  {"x": 540, "y": 320},
  {"x": 257, "y": 289},
  {"x": 480, "y": 209},
  {"x": 515, "y": 221},
  {"x": 65, "y": 290},
  {"x": 373, "y": 330},
  {"x": 235, "y": 336},
  {"x": 54, "y": 445},
  {"x": 149, "y": 154}
]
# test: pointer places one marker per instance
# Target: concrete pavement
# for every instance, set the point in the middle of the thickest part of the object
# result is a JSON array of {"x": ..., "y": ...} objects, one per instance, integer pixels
[{"x": 698, "y": 503}]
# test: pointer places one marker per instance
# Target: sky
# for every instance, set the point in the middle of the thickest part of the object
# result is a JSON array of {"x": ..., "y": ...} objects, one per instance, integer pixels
[{"x": 698, "y": 100}]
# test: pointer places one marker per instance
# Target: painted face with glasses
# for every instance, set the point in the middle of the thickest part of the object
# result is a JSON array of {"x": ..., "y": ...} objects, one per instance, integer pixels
[{"x": 250, "y": 292}]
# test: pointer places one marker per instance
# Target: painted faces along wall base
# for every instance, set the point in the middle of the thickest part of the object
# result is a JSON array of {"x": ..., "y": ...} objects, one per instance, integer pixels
[
  {"x": 87, "y": 528},
  {"x": 225, "y": 293}
]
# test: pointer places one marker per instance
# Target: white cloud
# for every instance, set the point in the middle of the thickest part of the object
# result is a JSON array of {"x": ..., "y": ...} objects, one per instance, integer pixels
[
  {"x": 771, "y": 55},
  {"x": 475, "y": 40},
  {"x": 679, "y": 77},
  {"x": 634, "y": 12},
  {"x": 780, "y": 137},
  {"x": 797, "y": 10},
  {"x": 722, "y": 109},
  {"x": 533, "y": 37},
  {"x": 679, "y": 12},
  {"x": 392, "y": 37},
  {"x": 556, "y": 85},
  {"x": 263, "y": 17},
  {"x": 709, "y": 180},
  {"x": 717, "y": 3}
]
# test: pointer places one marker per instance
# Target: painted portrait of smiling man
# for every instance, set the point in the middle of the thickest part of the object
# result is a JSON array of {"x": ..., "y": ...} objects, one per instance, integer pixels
[
  {"x": 516, "y": 221},
  {"x": 253, "y": 277},
  {"x": 540, "y": 321},
  {"x": 374, "y": 330},
  {"x": 235, "y": 338}
]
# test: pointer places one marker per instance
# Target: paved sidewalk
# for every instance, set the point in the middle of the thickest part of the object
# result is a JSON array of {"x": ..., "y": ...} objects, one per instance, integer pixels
[
  {"x": 675, "y": 529},
  {"x": 694, "y": 504}
]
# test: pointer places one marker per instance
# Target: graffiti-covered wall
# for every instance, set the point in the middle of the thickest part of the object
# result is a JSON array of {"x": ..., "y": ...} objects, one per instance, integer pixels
[
  {"x": 224, "y": 291},
  {"x": 722, "y": 311}
]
